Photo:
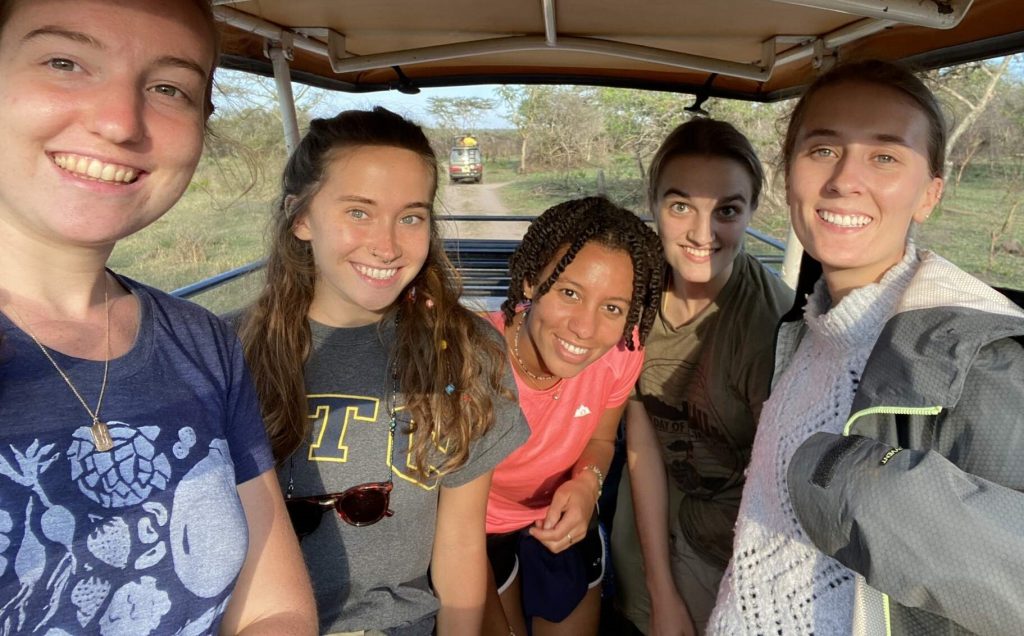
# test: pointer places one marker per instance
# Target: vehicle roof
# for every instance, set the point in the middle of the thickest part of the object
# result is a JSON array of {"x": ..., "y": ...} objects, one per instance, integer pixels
[{"x": 750, "y": 49}]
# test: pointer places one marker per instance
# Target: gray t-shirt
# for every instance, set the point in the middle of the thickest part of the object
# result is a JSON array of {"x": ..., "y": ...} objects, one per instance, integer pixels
[{"x": 375, "y": 577}]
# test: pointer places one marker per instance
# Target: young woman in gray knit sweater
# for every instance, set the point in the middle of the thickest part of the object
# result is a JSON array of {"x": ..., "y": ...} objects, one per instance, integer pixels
[{"x": 883, "y": 494}]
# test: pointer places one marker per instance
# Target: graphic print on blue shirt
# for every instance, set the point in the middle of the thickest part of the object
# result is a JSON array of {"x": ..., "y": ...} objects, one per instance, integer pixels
[
  {"x": 149, "y": 537},
  {"x": 334, "y": 419},
  {"x": 115, "y": 520}
]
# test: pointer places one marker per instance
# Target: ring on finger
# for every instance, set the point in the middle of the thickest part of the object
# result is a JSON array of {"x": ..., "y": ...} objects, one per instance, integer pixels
[{"x": 568, "y": 536}]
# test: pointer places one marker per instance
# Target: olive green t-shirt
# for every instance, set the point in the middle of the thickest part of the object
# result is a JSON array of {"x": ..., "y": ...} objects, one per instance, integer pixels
[{"x": 702, "y": 385}]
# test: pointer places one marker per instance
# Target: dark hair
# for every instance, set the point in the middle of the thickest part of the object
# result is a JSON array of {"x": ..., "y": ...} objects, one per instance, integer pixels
[
  {"x": 880, "y": 73},
  {"x": 205, "y": 8},
  {"x": 572, "y": 225},
  {"x": 703, "y": 137},
  {"x": 275, "y": 331}
]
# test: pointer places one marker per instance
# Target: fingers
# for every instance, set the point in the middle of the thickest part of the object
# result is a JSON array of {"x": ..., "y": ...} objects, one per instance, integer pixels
[
  {"x": 562, "y": 536},
  {"x": 554, "y": 513},
  {"x": 556, "y": 545},
  {"x": 567, "y": 518}
]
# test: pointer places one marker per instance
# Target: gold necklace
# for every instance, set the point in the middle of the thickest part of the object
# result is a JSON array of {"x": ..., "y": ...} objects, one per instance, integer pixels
[
  {"x": 515, "y": 352},
  {"x": 100, "y": 433}
]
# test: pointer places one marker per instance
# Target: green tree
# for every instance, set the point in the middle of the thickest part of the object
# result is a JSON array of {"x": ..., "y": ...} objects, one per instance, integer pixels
[
  {"x": 456, "y": 115},
  {"x": 560, "y": 126},
  {"x": 637, "y": 121},
  {"x": 969, "y": 90}
]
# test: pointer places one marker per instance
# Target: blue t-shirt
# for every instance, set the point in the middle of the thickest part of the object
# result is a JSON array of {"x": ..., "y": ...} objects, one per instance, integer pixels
[{"x": 149, "y": 537}]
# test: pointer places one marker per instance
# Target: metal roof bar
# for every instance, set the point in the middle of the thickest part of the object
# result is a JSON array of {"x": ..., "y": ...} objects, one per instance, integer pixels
[
  {"x": 279, "y": 54},
  {"x": 550, "y": 30},
  {"x": 345, "y": 63},
  {"x": 273, "y": 32},
  {"x": 538, "y": 43},
  {"x": 936, "y": 14},
  {"x": 835, "y": 39}
]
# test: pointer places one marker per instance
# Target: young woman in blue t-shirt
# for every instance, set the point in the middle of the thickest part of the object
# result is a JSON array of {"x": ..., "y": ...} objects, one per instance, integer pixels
[{"x": 136, "y": 490}]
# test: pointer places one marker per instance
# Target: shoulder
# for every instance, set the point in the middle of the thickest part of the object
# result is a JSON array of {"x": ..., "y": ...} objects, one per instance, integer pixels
[
  {"x": 938, "y": 283},
  {"x": 491, "y": 324},
  {"x": 954, "y": 309},
  {"x": 165, "y": 302},
  {"x": 761, "y": 289},
  {"x": 487, "y": 338},
  {"x": 618, "y": 365},
  {"x": 235, "y": 317},
  {"x": 751, "y": 314},
  {"x": 494, "y": 319},
  {"x": 178, "y": 318},
  {"x": 947, "y": 326}
]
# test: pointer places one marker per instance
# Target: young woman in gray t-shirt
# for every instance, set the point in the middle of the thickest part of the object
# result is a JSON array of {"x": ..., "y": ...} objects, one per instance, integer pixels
[{"x": 387, "y": 402}]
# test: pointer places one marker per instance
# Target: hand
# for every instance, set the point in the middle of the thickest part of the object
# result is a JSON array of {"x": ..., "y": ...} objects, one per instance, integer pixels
[
  {"x": 568, "y": 515},
  {"x": 671, "y": 617}
]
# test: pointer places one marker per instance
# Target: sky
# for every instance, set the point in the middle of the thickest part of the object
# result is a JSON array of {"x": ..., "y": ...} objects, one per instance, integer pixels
[{"x": 415, "y": 107}]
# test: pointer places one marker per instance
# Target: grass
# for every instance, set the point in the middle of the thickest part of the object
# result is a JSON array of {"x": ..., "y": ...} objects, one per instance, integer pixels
[
  {"x": 959, "y": 229},
  {"x": 533, "y": 193},
  {"x": 214, "y": 229}
]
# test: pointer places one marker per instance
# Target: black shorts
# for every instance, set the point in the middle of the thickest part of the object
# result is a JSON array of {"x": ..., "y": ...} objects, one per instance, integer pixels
[{"x": 503, "y": 549}]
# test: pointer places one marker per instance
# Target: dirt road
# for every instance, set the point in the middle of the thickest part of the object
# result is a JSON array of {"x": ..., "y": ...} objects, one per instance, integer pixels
[{"x": 459, "y": 199}]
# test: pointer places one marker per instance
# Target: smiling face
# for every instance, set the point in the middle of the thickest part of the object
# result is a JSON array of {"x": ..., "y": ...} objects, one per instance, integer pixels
[
  {"x": 101, "y": 113},
  {"x": 858, "y": 176},
  {"x": 369, "y": 229},
  {"x": 703, "y": 209},
  {"x": 582, "y": 316}
]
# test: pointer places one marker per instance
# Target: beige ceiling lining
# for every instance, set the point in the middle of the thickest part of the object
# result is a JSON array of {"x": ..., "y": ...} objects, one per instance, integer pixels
[
  {"x": 339, "y": 46},
  {"x": 754, "y": 46}
]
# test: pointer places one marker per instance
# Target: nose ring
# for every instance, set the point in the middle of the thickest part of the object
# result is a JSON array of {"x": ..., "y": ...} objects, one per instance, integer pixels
[{"x": 373, "y": 253}]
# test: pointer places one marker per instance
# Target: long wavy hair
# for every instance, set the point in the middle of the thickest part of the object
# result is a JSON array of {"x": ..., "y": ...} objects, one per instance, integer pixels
[
  {"x": 438, "y": 342},
  {"x": 573, "y": 224}
]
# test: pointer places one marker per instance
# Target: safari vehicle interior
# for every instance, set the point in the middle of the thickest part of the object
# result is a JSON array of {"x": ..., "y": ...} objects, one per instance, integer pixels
[
  {"x": 760, "y": 50},
  {"x": 756, "y": 50}
]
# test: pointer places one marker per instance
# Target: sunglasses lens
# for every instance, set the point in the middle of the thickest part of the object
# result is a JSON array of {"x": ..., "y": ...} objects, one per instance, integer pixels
[
  {"x": 364, "y": 506},
  {"x": 305, "y": 516}
]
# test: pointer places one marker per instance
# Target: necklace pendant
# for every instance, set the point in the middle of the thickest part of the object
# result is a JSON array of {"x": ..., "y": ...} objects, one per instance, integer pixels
[{"x": 101, "y": 438}]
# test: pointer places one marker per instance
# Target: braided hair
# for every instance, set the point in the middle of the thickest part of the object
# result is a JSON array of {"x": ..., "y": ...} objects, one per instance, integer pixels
[{"x": 573, "y": 224}]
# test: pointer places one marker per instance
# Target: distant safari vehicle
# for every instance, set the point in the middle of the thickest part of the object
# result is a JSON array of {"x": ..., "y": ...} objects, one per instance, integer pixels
[{"x": 465, "y": 162}]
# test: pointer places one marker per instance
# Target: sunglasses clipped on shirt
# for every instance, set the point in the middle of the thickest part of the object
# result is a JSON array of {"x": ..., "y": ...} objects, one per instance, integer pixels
[{"x": 362, "y": 505}]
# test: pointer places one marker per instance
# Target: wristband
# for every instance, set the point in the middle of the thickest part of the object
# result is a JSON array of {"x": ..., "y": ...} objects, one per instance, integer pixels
[{"x": 597, "y": 473}]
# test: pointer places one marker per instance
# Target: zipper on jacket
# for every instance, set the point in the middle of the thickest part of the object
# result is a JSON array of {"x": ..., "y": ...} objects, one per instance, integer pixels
[{"x": 889, "y": 410}]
